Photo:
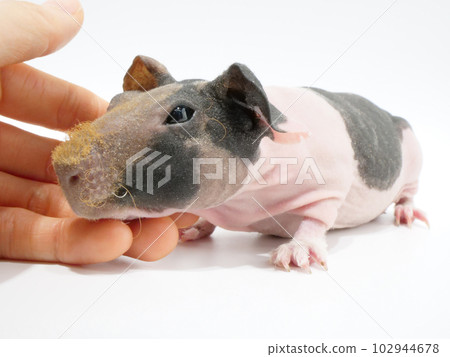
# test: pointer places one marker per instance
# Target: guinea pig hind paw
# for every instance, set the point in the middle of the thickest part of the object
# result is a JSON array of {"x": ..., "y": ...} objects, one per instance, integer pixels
[
  {"x": 201, "y": 229},
  {"x": 187, "y": 234}
]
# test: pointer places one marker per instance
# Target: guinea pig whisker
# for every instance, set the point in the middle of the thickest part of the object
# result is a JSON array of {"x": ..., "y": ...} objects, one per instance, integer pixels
[
  {"x": 223, "y": 126},
  {"x": 134, "y": 204},
  {"x": 126, "y": 193}
]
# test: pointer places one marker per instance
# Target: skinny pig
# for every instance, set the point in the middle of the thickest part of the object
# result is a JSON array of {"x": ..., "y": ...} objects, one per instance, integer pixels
[{"x": 223, "y": 150}]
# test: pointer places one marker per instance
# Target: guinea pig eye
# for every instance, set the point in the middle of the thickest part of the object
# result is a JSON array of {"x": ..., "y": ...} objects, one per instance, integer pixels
[{"x": 180, "y": 114}]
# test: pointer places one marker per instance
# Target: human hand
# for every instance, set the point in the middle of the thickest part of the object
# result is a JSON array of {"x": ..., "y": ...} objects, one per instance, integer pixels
[{"x": 36, "y": 222}]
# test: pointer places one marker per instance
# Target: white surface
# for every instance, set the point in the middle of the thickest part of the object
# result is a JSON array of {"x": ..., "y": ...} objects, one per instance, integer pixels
[{"x": 224, "y": 286}]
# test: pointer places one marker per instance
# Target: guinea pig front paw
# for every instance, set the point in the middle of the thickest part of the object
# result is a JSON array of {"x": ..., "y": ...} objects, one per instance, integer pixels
[
  {"x": 301, "y": 254},
  {"x": 201, "y": 229},
  {"x": 405, "y": 213}
]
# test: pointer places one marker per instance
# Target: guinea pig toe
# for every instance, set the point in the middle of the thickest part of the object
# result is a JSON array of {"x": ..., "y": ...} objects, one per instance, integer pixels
[
  {"x": 406, "y": 214},
  {"x": 281, "y": 257}
]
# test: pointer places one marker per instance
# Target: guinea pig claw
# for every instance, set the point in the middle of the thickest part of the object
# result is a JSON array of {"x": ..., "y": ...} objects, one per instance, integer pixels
[
  {"x": 421, "y": 217},
  {"x": 409, "y": 221}
]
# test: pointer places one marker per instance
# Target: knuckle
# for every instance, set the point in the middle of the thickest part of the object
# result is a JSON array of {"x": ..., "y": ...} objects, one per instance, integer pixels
[
  {"x": 32, "y": 83},
  {"x": 39, "y": 200},
  {"x": 59, "y": 231},
  {"x": 48, "y": 200}
]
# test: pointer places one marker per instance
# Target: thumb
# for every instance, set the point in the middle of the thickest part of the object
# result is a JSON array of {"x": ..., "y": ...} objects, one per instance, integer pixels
[{"x": 29, "y": 30}]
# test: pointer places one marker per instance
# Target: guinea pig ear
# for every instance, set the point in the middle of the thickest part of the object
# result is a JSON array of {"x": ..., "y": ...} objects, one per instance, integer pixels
[
  {"x": 240, "y": 85},
  {"x": 145, "y": 74}
]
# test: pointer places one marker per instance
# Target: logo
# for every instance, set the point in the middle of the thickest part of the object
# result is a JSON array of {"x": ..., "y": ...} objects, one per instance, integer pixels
[
  {"x": 290, "y": 170},
  {"x": 141, "y": 167}
]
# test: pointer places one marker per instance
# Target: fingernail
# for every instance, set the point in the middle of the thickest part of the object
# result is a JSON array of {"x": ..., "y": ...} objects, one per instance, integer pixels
[{"x": 70, "y": 6}]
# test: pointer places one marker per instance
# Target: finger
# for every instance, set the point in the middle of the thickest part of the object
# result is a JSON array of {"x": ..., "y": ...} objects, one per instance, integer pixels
[
  {"x": 184, "y": 220},
  {"x": 154, "y": 238},
  {"x": 36, "y": 30},
  {"x": 26, "y": 154},
  {"x": 43, "y": 198},
  {"x": 30, "y": 236},
  {"x": 36, "y": 97}
]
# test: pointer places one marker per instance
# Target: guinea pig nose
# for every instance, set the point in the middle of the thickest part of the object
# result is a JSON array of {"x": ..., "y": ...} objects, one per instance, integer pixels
[{"x": 74, "y": 178}]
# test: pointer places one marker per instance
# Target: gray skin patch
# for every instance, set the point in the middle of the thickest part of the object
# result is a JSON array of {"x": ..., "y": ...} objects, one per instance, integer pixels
[
  {"x": 215, "y": 123},
  {"x": 179, "y": 191},
  {"x": 225, "y": 123},
  {"x": 243, "y": 132},
  {"x": 376, "y": 137}
]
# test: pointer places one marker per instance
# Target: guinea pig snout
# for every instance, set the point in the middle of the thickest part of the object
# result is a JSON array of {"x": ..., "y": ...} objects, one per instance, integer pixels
[{"x": 89, "y": 182}]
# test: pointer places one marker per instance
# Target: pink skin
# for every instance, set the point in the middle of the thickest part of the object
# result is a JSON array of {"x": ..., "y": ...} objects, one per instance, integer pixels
[
  {"x": 305, "y": 212},
  {"x": 202, "y": 228}
]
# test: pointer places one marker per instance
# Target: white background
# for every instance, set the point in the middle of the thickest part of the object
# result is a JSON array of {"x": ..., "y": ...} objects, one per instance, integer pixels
[{"x": 382, "y": 280}]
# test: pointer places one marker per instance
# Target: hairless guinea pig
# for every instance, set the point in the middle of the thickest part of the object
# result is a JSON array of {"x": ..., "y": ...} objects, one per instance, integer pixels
[{"x": 222, "y": 149}]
